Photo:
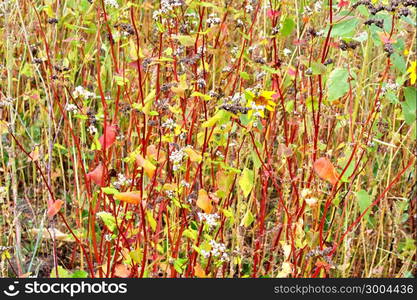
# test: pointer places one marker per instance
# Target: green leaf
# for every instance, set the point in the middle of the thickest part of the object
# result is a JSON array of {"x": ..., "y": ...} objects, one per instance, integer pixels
[
  {"x": 136, "y": 255},
  {"x": 246, "y": 181},
  {"x": 220, "y": 117},
  {"x": 337, "y": 84},
  {"x": 247, "y": 219},
  {"x": 62, "y": 273},
  {"x": 345, "y": 28},
  {"x": 201, "y": 95},
  {"x": 399, "y": 63},
  {"x": 109, "y": 190},
  {"x": 244, "y": 75},
  {"x": 79, "y": 274},
  {"x": 287, "y": 26},
  {"x": 318, "y": 68},
  {"x": 151, "y": 220},
  {"x": 364, "y": 201},
  {"x": 108, "y": 220},
  {"x": 409, "y": 106},
  {"x": 269, "y": 69},
  {"x": 180, "y": 264}
]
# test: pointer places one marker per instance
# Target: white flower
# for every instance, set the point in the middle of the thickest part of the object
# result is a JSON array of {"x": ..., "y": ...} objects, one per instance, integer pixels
[
  {"x": 170, "y": 194},
  {"x": 287, "y": 52},
  {"x": 82, "y": 92},
  {"x": 318, "y": 6},
  {"x": 92, "y": 129},
  {"x": 213, "y": 20},
  {"x": 169, "y": 123},
  {"x": 249, "y": 8},
  {"x": 210, "y": 219},
  {"x": 217, "y": 249},
  {"x": 112, "y": 3},
  {"x": 176, "y": 158},
  {"x": 205, "y": 253},
  {"x": 71, "y": 108},
  {"x": 121, "y": 181},
  {"x": 227, "y": 69},
  {"x": 185, "y": 184}
]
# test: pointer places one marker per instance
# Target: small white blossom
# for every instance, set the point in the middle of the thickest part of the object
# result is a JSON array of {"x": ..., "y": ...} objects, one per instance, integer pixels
[
  {"x": 92, "y": 129},
  {"x": 218, "y": 249},
  {"x": 112, "y": 3},
  {"x": 205, "y": 253},
  {"x": 71, "y": 108},
  {"x": 185, "y": 184},
  {"x": 169, "y": 123},
  {"x": 210, "y": 219},
  {"x": 121, "y": 181},
  {"x": 318, "y": 6},
  {"x": 249, "y": 8},
  {"x": 287, "y": 52},
  {"x": 82, "y": 92},
  {"x": 176, "y": 158}
]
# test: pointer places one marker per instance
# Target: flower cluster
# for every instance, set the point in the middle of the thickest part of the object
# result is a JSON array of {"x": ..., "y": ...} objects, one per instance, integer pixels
[
  {"x": 219, "y": 250},
  {"x": 169, "y": 124},
  {"x": 176, "y": 158},
  {"x": 71, "y": 108},
  {"x": 121, "y": 181},
  {"x": 112, "y": 3},
  {"x": 82, "y": 92},
  {"x": 210, "y": 219},
  {"x": 212, "y": 20}
]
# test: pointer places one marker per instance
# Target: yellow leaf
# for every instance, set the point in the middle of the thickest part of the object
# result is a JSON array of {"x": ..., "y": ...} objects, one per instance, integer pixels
[
  {"x": 35, "y": 154},
  {"x": 3, "y": 127},
  {"x": 204, "y": 202},
  {"x": 413, "y": 72},
  {"x": 185, "y": 40},
  {"x": 193, "y": 155},
  {"x": 182, "y": 86},
  {"x": 146, "y": 165}
]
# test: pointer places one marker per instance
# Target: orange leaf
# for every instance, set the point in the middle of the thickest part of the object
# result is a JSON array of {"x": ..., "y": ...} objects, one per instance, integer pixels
[
  {"x": 122, "y": 271},
  {"x": 199, "y": 271},
  {"x": 152, "y": 153},
  {"x": 96, "y": 175},
  {"x": 325, "y": 170},
  {"x": 204, "y": 202},
  {"x": 129, "y": 197},
  {"x": 146, "y": 165},
  {"x": 54, "y": 208}
]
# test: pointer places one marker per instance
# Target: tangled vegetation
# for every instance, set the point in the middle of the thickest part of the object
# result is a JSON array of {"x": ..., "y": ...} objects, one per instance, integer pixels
[{"x": 184, "y": 138}]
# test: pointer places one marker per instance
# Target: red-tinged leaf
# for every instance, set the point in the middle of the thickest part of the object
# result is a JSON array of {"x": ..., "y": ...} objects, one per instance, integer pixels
[
  {"x": 325, "y": 265},
  {"x": 385, "y": 38},
  {"x": 98, "y": 175},
  {"x": 291, "y": 72},
  {"x": 325, "y": 170},
  {"x": 54, "y": 208},
  {"x": 343, "y": 3},
  {"x": 110, "y": 136},
  {"x": 129, "y": 197},
  {"x": 298, "y": 42},
  {"x": 272, "y": 13}
]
